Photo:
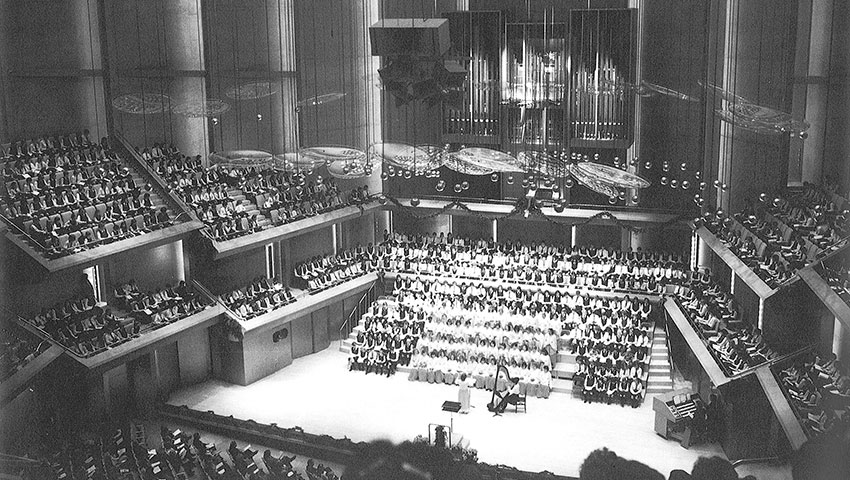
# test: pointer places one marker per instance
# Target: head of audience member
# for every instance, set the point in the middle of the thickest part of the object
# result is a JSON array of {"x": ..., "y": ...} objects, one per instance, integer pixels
[
  {"x": 603, "y": 464},
  {"x": 823, "y": 458},
  {"x": 382, "y": 460},
  {"x": 713, "y": 468}
]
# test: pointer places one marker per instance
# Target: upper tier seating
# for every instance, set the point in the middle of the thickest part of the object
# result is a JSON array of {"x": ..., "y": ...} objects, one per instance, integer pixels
[
  {"x": 240, "y": 201},
  {"x": 813, "y": 213},
  {"x": 777, "y": 240},
  {"x": 68, "y": 194}
]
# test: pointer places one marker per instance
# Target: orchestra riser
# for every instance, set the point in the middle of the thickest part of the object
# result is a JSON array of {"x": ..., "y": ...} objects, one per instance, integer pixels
[{"x": 659, "y": 380}]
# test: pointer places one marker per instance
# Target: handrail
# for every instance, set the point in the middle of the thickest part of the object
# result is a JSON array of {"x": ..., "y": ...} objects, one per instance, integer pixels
[
  {"x": 215, "y": 299},
  {"x": 163, "y": 188},
  {"x": 22, "y": 319},
  {"x": 346, "y": 327},
  {"x": 744, "y": 461},
  {"x": 669, "y": 348},
  {"x": 771, "y": 363},
  {"x": 36, "y": 332},
  {"x": 841, "y": 249},
  {"x": 20, "y": 230},
  {"x": 5, "y": 457}
]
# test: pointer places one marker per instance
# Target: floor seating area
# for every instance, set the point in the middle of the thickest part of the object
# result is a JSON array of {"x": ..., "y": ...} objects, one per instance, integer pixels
[
  {"x": 86, "y": 328},
  {"x": 819, "y": 391},
  {"x": 735, "y": 344},
  {"x": 67, "y": 194},
  {"x": 237, "y": 201},
  {"x": 262, "y": 295},
  {"x": 133, "y": 451},
  {"x": 18, "y": 347}
]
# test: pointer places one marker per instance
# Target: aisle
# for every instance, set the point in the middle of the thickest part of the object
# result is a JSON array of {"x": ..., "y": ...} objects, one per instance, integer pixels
[{"x": 319, "y": 395}]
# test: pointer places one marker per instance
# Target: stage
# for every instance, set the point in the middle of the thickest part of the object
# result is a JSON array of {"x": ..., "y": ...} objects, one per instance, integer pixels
[{"x": 318, "y": 394}]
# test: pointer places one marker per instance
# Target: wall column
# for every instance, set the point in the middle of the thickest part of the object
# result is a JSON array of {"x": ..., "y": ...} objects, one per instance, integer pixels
[
  {"x": 281, "y": 40},
  {"x": 183, "y": 39}
]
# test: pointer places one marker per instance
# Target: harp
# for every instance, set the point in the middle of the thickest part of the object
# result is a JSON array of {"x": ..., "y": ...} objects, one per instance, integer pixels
[{"x": 501, "y": 372}]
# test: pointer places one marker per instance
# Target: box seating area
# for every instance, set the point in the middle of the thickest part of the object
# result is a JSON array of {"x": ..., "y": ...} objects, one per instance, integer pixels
[
  {"x": 322, "y": 272},
  {"x": 773, "y": 254},
  {"x": 87, "y": 329},
  {"x": 238, "y": 201},
  {"x": 262, "y": 295},
  {"x": 735, "y": 344},
  {"x": 818, "y": 390},
  {"x": 68, "y": 194}
]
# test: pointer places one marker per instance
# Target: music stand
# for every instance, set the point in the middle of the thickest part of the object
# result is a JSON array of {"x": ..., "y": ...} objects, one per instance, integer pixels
[{"x": 452, "y": 408}]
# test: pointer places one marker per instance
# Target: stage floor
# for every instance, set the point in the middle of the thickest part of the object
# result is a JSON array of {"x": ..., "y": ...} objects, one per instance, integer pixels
[{"x": 318, "y": 394}]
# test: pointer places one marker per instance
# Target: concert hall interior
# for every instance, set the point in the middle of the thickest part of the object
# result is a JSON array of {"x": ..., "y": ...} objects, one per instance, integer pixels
[{"x": 424, "y": 239}]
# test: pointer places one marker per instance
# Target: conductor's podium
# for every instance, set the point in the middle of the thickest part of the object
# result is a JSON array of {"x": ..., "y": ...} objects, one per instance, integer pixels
[{"x": 674, "y": 413}]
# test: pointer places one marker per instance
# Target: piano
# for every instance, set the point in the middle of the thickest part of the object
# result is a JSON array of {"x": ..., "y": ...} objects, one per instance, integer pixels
[{"x": 674, "y": 413}]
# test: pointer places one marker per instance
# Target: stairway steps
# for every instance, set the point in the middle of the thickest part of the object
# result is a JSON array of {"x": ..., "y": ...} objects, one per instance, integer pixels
[
  {"x": 659, "y": 378},
  {"x": 566, "y": 357},
  {"x": 562, "y": 385}
]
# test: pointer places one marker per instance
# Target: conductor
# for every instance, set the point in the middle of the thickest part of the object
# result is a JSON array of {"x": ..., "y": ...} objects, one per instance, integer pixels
[{"x": 510, "y": 397}]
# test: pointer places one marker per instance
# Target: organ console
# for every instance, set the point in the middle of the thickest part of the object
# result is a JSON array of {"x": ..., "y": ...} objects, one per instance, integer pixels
[{"x": 674, "y": 415}]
